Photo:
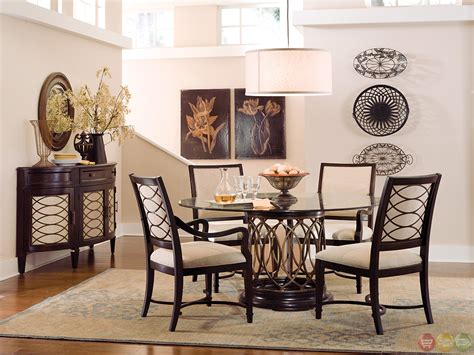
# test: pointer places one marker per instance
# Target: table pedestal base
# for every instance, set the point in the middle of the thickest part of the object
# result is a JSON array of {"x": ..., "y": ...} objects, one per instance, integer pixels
[{"x": 267, "y": 295}]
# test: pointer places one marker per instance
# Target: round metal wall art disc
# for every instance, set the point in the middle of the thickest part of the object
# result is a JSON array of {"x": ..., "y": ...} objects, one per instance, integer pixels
[
  {"x": 380, "y": 63},
  {"x": 389, "y": 158},
  {"x": 381, "y": 110}
]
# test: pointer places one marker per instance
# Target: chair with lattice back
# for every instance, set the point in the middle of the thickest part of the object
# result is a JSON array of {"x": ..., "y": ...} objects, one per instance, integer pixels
[
  {"x": 165, "y": 252},
  {"x": 204, "y": 180},
  {"x": 403, "y": 222}
]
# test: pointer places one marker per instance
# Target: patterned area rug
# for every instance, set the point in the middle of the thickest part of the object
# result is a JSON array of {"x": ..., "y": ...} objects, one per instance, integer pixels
[{"x": 107, "y": 308}]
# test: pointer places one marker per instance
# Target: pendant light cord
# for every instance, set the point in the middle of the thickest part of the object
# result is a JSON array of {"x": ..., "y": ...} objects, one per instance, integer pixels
[{"x": 288, "y": 23}]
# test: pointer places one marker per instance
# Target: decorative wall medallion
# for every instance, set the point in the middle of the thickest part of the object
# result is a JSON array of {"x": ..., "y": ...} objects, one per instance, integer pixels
[
  {"x": 389, "y": 158},
  {"x": 380, "y": 63},
  {"x": 380, "y": 110}
]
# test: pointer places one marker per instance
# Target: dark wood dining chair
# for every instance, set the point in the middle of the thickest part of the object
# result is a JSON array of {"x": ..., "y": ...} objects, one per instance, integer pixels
[
  {"x": 165, "y": 252},
  {"x": 204, "y": 180},
  {"x": 347, "y": 178},
  {"x": 403, "y": 222}
]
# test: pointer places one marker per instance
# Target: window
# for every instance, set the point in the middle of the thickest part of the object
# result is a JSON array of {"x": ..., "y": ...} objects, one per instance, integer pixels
[
  {"x": 42, "y": 3},
  {"x": 251, "y": 25},
  {"x": 90, "y": 11},
  {"x": 410, "y": 2},
  {"x": 148, "y": 29},
  {"x": 84, "y": 10}
]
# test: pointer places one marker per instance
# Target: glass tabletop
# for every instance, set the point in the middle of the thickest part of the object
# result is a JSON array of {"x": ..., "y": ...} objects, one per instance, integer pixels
[{"x": 310, "y": 202}]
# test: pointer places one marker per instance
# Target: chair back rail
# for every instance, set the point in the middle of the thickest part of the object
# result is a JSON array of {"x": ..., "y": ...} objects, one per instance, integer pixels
[
  {"x": 405, "y": 215},
  {"x": 156, "y": 213}
]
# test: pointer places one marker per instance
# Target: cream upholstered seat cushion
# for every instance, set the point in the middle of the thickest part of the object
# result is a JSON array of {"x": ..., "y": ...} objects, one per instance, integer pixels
[
  {"x": 219, "y": 227},
  {"x": 200, "y": 254},
  {"x": 358, "y": 255},
  {"x": 344, "y": 230}
]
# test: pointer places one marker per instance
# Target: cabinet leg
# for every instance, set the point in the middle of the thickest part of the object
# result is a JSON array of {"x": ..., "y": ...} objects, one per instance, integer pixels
[
  {"x": 75, "y": 258},
  {"x": 21, "y": 263},
  {"x": 112, "y": 245}
]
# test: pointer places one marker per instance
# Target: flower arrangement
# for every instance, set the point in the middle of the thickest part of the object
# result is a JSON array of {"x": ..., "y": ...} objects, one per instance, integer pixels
[
  {"x": 97, "y": 113},
  {"x": 200, "y": 124},
  {"x": 260, "y": 133}
]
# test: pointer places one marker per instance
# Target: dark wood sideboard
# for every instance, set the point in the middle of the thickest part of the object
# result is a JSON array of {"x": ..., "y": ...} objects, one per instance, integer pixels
[{"x": 65, "y": 207}]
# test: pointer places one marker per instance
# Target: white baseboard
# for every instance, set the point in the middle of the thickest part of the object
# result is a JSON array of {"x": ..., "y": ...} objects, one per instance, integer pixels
[{"x": 9, "y": 267}]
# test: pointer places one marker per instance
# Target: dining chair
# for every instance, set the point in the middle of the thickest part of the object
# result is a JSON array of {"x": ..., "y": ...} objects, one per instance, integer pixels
[
  {"x": 204, "y": 180},
  {"x": 165, "y": 252},
  {"x": 343, "y": 178},
  {"x": 403, "y": 222}
]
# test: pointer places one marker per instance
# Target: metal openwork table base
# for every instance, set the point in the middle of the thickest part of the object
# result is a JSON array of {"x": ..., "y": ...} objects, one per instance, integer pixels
[{"x": 283, "y": 248}]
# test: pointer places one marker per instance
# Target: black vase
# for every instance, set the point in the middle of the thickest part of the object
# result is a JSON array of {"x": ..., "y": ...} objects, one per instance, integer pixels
[{"x": 97, "y": 154}]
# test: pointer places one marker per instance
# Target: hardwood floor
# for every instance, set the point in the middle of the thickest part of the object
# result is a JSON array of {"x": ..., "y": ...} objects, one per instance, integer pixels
[{"x": 21, "y": 292}]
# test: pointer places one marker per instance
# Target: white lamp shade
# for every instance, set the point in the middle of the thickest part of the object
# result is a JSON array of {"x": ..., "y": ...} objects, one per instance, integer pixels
[{"x": 288, "y": 71}]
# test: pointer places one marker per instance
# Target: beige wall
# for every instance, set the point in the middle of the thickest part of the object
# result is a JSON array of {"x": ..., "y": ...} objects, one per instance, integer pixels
[
  {"x": 438, "y": 87},
  {"x": 195, "y": 26},
  {"x": 30, "y": 52},
  {"x": 156, "y": 86},
  {"x": 144, "y": 159}
]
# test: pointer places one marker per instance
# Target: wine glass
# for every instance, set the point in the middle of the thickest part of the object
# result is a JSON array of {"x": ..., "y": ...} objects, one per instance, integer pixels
[
  {"x": 246, "y": 186},
  {"x": 255, "y": 186},
  {"x": 239, "y": 186}
]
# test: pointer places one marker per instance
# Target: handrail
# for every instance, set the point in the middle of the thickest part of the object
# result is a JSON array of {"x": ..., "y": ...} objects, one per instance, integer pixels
[{"x": 167, "y": 151}]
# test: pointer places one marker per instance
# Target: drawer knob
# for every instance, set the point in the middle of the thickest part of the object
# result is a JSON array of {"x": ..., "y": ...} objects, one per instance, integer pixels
[{"x": 91, "y": 174}]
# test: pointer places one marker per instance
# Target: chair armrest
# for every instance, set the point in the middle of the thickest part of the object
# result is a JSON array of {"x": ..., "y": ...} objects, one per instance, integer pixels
[
  {"x": 359, "y": 224},
  {"x": 206, "y": 235},
  {"x": 196, "y": 223}
]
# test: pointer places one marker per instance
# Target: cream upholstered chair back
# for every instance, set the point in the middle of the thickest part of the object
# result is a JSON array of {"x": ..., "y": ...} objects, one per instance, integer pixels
[
  {"x": 343, "y": 178},
  {"x": 158, "y": 222},
  {"x": 405, "y": 212},
  {"x": 204, "y": 180},
  {"x": 351, "y": 178}
]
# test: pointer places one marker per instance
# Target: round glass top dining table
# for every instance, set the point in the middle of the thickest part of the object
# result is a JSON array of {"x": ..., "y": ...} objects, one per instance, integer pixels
[
  {"x": 283, "y": 238},
  {"x": 309, "y": 202}
]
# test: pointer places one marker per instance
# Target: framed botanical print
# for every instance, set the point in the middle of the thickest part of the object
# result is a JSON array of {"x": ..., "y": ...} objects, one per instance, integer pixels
[
  {"x": 259, "y": 126},
  {"x": 205, "y": 124}
]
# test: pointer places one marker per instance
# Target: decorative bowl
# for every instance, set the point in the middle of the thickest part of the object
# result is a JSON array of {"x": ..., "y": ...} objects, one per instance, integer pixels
[{"x": 284, "y": 183}]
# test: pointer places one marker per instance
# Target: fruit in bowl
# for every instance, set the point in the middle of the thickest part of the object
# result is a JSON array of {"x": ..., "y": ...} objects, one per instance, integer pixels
[
  {"x": 284, "y": 177},
  {"x": 283, "y": 170}
]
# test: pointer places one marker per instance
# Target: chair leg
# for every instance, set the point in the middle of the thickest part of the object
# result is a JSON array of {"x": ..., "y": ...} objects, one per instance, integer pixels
[
  {"x": 178, "y": 297},
  {"x": 359, "y": 284},
  {"x": 319, "y": 288},
  {"x": 374, "y": 301},
  {"x": 216, "y": 282},
  {"x": 248, "y": 275},
  {"x": 150, "y": 280},
  {"x": 425, "y": 295},
  {"x": 208, "y": 290}
]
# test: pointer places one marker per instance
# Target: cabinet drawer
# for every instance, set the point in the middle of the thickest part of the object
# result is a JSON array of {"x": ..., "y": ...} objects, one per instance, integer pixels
[
  {"x": 49, "y": 178},
  {"x": 96, "y": 175}
]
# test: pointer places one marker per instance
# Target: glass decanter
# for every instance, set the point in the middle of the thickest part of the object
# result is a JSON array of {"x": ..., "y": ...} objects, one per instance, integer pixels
[{"x": 224, "y": 191}]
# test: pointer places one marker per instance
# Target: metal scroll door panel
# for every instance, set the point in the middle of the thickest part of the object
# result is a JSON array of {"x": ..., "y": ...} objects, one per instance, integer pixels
[
  {"x": 50, "y": 225},
  {"x": 93, "y": 222}
]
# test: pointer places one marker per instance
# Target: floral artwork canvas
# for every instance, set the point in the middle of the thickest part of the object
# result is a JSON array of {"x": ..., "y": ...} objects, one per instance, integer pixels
[
  {"x": 205, "y": 124},
  {"x": 259, "y": 126}
]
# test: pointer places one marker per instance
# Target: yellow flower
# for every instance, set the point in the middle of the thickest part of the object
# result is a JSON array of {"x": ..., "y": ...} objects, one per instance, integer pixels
[
  {"x": 272, "y": 108},
  {"x": 250, "y": 107},
  {"x": 100, "y": 113},
  {"x": 200, "y": 124}
]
